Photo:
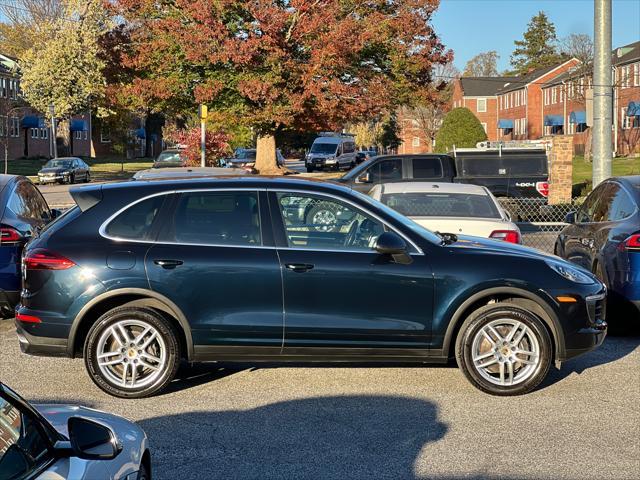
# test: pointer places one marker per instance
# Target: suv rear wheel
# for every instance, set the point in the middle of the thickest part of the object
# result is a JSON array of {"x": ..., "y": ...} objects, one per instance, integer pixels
[
  {"x": 132, "y": 352},
  {"x": 504, "y": 350}
]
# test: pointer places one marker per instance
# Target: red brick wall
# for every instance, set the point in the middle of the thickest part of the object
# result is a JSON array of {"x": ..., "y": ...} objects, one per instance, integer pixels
[{"x": 629, "y": 138}]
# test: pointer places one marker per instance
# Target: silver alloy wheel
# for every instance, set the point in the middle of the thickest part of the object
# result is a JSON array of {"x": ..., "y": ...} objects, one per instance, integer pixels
[
  {"x": 506, "y": 352},
  {"x": 131, "y": 354},
  {"x": 324, "y": 220}
]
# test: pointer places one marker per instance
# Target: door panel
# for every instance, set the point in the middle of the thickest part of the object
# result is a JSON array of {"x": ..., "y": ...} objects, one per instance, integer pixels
[
  {"x": 216, "y": 263},
  {"x": 340, "y": 296}
]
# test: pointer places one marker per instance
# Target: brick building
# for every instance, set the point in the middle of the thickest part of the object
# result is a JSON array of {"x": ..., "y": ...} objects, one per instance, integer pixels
[
  {"x": 552, "y": 101},
  {"x": 25, "y": 133},
  {"x": 480, "y": 95}
]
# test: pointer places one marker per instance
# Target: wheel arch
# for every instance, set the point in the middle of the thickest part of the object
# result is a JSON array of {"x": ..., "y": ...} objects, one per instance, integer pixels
[
  {"x": 517, "y": 296},
  {"x": 135, "y": 297}
]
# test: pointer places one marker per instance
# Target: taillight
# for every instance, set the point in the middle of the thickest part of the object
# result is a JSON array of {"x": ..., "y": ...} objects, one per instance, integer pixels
[
  {"x": 42, "y": 259},
  {"x": 543, "y": 188},
  {"x": 9, "y": 235},
  {"x": 27, "y": 318},
  {"x": 632, "y": 242},
  {"x": 511, "y": 236}
]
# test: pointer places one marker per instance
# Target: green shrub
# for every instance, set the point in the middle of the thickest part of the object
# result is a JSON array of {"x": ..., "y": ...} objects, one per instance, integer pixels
[{"x": 461, "y": 128}]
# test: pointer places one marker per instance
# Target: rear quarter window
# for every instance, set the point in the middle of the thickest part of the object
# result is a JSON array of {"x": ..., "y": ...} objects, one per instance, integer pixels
[{"x": 135, "y": 222}]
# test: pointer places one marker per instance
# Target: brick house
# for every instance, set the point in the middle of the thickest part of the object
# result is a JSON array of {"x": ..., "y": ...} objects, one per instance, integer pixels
[
  {"x": 479, "y": 94},
  {"x": 413, "y": 137},
  {"x": 626, "y": 99},
  {"x": 520, "y": 113}
]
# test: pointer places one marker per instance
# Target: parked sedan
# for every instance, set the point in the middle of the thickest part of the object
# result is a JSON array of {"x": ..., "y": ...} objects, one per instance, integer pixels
[
  {"x": 24, "y": 212},
  {"x": 67, "y": 442},
  {"x": 172, "y": 157},
  {"x": 64, "y": 170},
  {"x": 603, "y": 236},
  {"x": 246, "y": 158},
  {"x": 141, "y": 275},
  {"x": 450, "y": 208}
]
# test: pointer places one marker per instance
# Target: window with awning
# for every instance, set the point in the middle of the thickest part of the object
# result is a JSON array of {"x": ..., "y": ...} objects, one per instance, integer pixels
[
  {"x": 32, "y": 121},
  {"x": 77, "y": 125},
  {"x": 505, "y": 123},
  {"x": 553, "y": 121},
  {"x": 633, "y": 109},
  {"x": 578, "y": 117}
]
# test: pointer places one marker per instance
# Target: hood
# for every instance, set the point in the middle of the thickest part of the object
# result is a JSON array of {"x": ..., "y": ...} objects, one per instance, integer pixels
[
  {"x": 58, "y": 416},
  {"x": 499, "y": 247},
  {"x": 53, "y": 170},
  {"x": 167, "y": 164}
]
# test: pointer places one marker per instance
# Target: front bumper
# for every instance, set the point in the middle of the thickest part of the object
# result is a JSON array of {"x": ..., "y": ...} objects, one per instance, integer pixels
[
  {"x": 591, "y": 335},
  {"x": 52, "y": 178}
]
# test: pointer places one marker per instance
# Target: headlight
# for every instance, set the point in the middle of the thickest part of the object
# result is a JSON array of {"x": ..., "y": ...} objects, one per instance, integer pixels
[{"x": 571, "y": 273}]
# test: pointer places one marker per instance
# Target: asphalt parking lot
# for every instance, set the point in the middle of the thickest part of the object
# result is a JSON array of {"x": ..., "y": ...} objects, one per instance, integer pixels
[{"x": 230, "y": 421}]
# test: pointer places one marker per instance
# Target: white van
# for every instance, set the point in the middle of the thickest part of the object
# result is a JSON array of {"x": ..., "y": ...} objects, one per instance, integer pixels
[{"x": 332, "y": 150}]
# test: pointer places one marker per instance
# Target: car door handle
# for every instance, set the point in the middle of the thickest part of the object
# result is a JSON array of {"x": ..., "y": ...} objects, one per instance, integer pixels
[
  {"x": 299, "y": 267},
  {"x": 168, "y": 264}
]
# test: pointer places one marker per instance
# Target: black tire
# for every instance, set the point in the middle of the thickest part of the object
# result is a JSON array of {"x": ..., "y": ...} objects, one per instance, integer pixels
[
  {"x": 309, "y": 169},
  {"x": 327, "y": 210},
  {"x": 472, "y": 327},
  {"x": 146, "y": 316},
  {"x": 72, "y": 179},
  {"x": 87, "y": 178},
  {"x": 143, "y": 474}
]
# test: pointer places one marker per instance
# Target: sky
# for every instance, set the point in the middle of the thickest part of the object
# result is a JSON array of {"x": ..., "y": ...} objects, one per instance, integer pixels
[{"x": 470, "y": 27}]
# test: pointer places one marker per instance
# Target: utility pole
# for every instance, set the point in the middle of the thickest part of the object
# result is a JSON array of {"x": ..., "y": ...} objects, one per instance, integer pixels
[
  {"x": 602, "y": 92},
  {"x": 54, "y": 136},
  {"x": 203, "y": 133}
]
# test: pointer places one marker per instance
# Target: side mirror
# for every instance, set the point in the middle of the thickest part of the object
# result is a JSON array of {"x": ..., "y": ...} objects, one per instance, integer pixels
[
  {"x": 91, "y": 440},
  {"x": 365, "y": 178},
  {"x": 570, "y": 217},
  {"x": 390, "y": 243}
]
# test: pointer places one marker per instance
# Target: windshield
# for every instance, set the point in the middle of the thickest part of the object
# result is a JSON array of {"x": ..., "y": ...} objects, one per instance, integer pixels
[
  {"x": 169, "y": 157},
  {"x": 442, "y": 205},
  {"x": 58, "y": 164},
  {"x": 246, "y": 155},
  {"x": 407, "y": 222},
  {"x": 318, "y": 147}
]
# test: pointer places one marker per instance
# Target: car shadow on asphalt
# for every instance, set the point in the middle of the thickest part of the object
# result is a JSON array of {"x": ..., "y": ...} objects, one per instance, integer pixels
[
  {"x": 613, "y": 349},
  {"x": 358, "y": 436}
]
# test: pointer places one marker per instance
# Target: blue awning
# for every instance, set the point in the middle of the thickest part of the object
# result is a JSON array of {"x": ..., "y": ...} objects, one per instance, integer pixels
[
  {"x": 505, "y": 123},
  {"x": 32, "y": 121},
  {"x": 141, "y": 133},
  {"x": 633, "y": 109},
  {"x": 578, "y": 117},
  {"x": 78, "y": 126},
  {"x": 553, "y": 120}
]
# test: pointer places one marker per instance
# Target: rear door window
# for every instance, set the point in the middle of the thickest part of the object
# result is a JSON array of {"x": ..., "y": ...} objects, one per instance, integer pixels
[
  {"x": 602, "y": 209},
  {"x": 386, "y": 170},
  {"x": 427, "y": 168},
  {"x": 622, "y": 206},
  {"x": 27, "y": 202},
  {"x": 217, "y": 219},
  {"x": 136, "y": 222}
]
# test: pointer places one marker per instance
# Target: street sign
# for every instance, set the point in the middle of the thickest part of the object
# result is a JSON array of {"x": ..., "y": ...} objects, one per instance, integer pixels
[{"x": 202, "y": 111}]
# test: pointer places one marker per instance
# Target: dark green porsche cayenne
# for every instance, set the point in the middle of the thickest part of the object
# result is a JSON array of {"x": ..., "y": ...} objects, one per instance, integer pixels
[{"x": 141, "y": 275}]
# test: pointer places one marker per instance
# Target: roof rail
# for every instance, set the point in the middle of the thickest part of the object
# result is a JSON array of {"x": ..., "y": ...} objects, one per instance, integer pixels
[{"x": 336, "y": 134}]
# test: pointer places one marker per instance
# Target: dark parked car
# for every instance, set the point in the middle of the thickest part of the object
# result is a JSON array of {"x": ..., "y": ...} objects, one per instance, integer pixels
[
  {"x": 245, "y": 158},
  {"x": 140, "y": 275},
  {"x": 507, "y": 172},
  {"x": 172, "y": 157},
  {"x": 604, "y": 237},
  {"x": 64, "y": 170},
  {"x": 68, "y": 442},
  {"x": 23, "y": 212},
  {"x": 360, "y": 157}
]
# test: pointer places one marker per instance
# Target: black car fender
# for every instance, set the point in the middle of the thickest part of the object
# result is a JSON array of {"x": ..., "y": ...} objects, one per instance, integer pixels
[
  {"x": 540, "y": 307},
  {"x": 132, "y": 297}
]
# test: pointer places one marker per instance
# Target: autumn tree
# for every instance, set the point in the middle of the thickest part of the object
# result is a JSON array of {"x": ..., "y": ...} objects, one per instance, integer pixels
[
  {"x": 482, "y": 65},
  {"x": 65, "y": 70},
  {"x": 297, "y": 64},
  {"x": 538, "y": 48},
  {"x": 26, "y": 23}
]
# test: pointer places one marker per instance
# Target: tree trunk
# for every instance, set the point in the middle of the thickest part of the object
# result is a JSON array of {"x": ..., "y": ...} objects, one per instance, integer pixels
[
  {"x": 266, "y": 163},
  {"x": 587, "y": 145}
]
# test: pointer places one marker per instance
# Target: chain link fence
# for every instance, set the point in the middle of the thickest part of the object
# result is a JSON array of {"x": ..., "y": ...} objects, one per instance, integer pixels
[{"x": 539, "y": 222}]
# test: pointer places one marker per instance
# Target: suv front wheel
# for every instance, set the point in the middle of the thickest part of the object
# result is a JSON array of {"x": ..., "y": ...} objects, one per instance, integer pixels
[
  {"x": 504, "y": 350},
  {"x": 132, "y": 352}
]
